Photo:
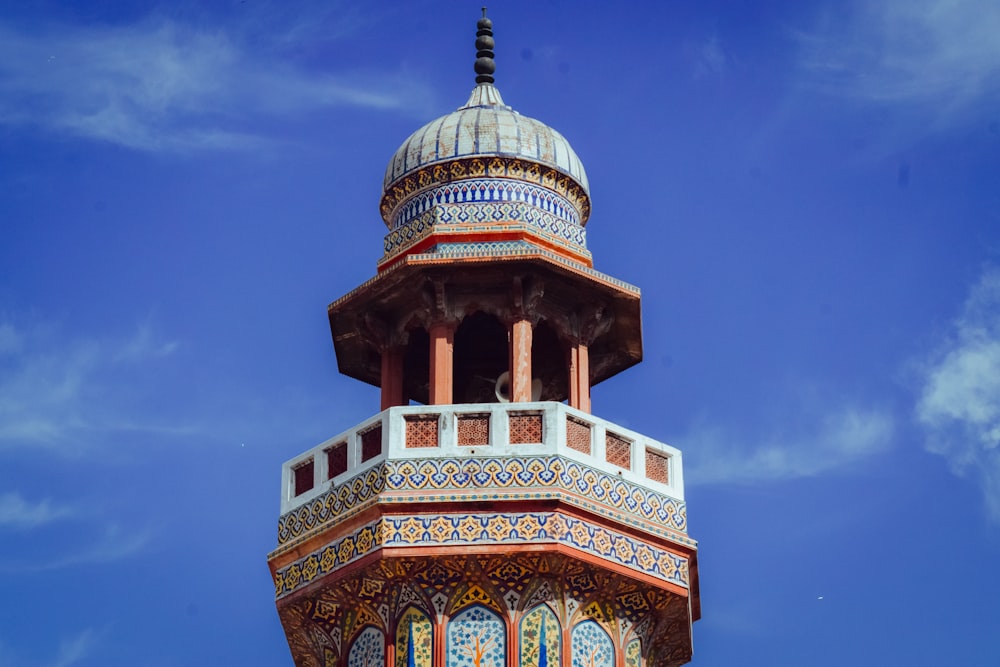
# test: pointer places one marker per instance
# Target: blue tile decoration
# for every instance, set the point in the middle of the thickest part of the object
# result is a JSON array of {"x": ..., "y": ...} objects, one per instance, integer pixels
[
  {"x": 368, "y": 649},
  {"x": 414, "y": 639},
  {"x": 493, "y": 478},
  {"x": 491, "y": 217},
  {"x": 492, "y": 528},
  {"x": 541, "y": 638},
  {"x": 458, "y": 195},
  {"x": 476, "y": 638},
  {"x": 591, "y": 646},
  {"x": 497, "y": 169},
  {"x": 633, "y": 656}
]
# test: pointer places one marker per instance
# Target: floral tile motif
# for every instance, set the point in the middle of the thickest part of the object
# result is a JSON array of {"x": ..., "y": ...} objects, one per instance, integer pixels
[
  {"x": 484, "y": 529},
  {"x": 496, "y": 478},
  {"x": 476, "y": 639}
]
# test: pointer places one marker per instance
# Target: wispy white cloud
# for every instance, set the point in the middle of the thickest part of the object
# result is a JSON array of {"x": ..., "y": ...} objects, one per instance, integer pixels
[
  {"x": 54, "y": 391},
  {"x": 942, "y": 56},
  {"x": 959, "y": 403},
  {"x": 161, "y": 85},
  {"x": 826, "y": 442},
  {"x": 110, "y": 545},
  {"x": 17, "y": 512},
  {"x": 70, "y": 650},
  {"x": 709, "y": 58},
  {"x": 76, "y": 648}
]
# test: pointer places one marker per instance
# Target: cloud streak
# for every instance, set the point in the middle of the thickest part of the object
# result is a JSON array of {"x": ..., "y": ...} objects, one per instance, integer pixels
[
  {"x": 959, "y": 404},
  {"x": 54, "y": 393},
  {"x": 831, "y": 442},
  {"x": 940, "y": 55},
  {"x": 111, "y": 545},
  {"x": 163, "y": 86},
  {"x": 17, "y": 512},
  {"x": 76, "y": 648}
]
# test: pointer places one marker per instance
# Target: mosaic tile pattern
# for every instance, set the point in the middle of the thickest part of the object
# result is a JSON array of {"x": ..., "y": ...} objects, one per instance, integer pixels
[
  {"x": 356, "y": 492},
  {"x": 540, "y": 648},
  {"x": 419, "y": 587},
  {"x": 633, "y": 656},
  {"x": 591, "y": 646},
  {"x": 414, "y": 624},
  {"x": 476, "y": 638},
  {"x": 424, "y": 258},
  {"x": 470, "y": 191},
  {"x": 480, "y": 218},
  {"x": 397, "y": 193},
  {"x": 490, "y": 478},
  {"x": 368, "y": 650},
  {"x": 484, "y": 529}
]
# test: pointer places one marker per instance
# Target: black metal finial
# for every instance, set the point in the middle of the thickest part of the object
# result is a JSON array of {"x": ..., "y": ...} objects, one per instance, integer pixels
[{"x": 485, "y": 66}]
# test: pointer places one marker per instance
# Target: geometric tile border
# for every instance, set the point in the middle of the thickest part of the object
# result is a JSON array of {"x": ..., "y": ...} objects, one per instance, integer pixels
[
  {"x": 483, "y": 529},
  {"x": 468, "y": 192},
  {"x": 492, "y": 478}
]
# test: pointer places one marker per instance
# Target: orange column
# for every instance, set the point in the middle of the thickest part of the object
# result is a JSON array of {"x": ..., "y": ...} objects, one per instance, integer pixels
[
  {"x": 390, "y": 649},
  {"x": 579, "y": 377},
  {"x": 520, "y": 361},
  {"x": 442, "y": 352},
  {"x": 392, "y": 376}
]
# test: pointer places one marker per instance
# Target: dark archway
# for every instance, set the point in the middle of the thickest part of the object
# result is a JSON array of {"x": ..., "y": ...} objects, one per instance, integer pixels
[
  {"x": 548, "y": 362},
  {"x": 416, "y": 366},
  {"x": 481, "y": 355}
]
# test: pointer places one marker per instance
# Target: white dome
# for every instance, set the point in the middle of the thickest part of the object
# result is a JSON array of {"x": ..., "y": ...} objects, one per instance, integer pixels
[{"x": 485, "y": 127}]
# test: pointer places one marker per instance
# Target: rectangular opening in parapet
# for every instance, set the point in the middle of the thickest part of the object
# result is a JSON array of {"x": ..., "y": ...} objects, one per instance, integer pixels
[
  {"x": 578, "y": 435},
  {"x": 525, "y": 428},
  {"x": 618, "y": 451},
  {"x": 421, "y": 431},
  {"x": 336, "y": 460},
  {"x": 474, "y": 430},
  {"x": 657, "y": 466},
  {"x": 303, "y": 477},
  {"x": 371, "y": 443}
]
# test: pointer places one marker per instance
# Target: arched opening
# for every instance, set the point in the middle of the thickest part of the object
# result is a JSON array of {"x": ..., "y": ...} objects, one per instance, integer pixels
[
  {"x": 367, "y": 649},
  {"x": 480, "y": 357},
  {"x": 540, "y": 638},
  {"x": 591, "y": 646},
  {"x": 414, "y": 639},
  {"x": 633, "y": 654},
  {"x": 476, "y": 638},
  {"x": 416, "y": 366},
  {"x": 548, "y": 362}
]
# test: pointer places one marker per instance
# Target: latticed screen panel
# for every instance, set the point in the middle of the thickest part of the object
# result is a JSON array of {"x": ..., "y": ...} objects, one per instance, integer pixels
[
  {"x": 657, "y": 467},
  {"x": 525, "y": 428},
  {"x": 578, "y": 435},
  {"x": 618, "y": 451},
  {"x": 371, "y": 443},
  {"x": 336, "y": 460},
  {"x": 473, "y": 430},
  {"x": 421, "y": 431}
]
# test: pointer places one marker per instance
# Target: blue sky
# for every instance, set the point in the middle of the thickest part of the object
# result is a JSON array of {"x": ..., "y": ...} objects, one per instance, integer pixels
[{"x": 808, "y": 194}]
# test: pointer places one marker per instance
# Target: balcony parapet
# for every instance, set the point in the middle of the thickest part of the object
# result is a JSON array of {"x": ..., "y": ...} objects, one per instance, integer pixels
[{"x": 493, "y": 451}]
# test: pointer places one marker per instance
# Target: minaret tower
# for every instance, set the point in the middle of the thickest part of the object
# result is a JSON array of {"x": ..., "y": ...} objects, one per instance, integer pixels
[{"x": 485, "y": 518}]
